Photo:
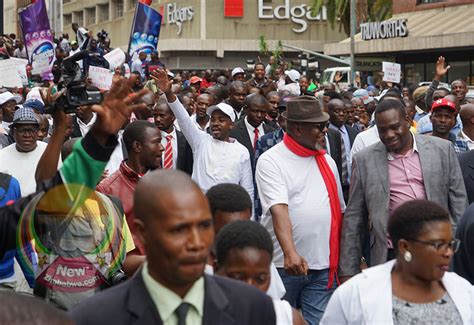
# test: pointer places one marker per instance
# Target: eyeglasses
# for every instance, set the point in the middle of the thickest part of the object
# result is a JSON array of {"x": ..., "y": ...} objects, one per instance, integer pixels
[
  {"x": 322, "y": 126},
  {"x": 26, "y": 130},
  {"x": 441, "y": 247}
]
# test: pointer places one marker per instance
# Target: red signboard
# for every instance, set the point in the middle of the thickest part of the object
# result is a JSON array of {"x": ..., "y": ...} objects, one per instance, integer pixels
[{"x": 233, "y": 8}]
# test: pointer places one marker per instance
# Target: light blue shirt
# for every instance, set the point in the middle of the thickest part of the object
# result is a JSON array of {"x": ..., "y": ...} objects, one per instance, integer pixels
[{"x": 424, "y": 125}]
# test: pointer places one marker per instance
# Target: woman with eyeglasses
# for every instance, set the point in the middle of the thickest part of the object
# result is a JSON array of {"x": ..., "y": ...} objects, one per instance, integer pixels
[{"x": 416, "y": 287}]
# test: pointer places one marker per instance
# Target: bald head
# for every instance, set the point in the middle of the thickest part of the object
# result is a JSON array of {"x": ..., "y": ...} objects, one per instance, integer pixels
[
  {"x": 467, "y": 114},
  {"x": 157, "y": 187}
]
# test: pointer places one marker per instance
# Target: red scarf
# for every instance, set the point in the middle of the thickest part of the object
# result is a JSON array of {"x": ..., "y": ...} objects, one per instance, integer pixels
[{"x": 331, "y": 186}]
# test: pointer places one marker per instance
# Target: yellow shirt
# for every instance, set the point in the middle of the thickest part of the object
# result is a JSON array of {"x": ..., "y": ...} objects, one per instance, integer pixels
[
  {"x": 167, "y": 301},
  {"x": 93, "y": 207}
]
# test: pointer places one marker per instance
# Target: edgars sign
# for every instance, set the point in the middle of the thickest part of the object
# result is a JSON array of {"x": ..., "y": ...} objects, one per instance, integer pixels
[
  {"x": 384, "y": 29},
  {"x": 178, "y": 15},
  {"x": 299, "y": 14}
]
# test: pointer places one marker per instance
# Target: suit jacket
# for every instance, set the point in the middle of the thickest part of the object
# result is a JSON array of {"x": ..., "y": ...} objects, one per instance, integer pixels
[
  {"x": 239, "y": 132},
  {"x": 466, "y": 160},
  {"x": 226, "y": 302},
  {"x": 334, "y": 138},
  {"x": 352, "y": 131},
  {"x": 185, "y": 154},
  {"x": 370, "y": 196}
]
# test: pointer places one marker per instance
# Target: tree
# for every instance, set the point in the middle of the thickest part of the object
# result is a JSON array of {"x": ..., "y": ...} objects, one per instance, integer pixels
[{"x": 338, "y": 11}]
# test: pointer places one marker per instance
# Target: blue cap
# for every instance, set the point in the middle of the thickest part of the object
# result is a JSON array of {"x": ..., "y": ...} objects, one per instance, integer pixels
[{"x": 34, "y": 104}]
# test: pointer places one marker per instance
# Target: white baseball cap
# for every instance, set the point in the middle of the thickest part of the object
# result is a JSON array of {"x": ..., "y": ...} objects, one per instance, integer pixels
[
  {"x": 237, "y": 71},
  {"x": 8, "y": 96},
  {"x": 293, "y": 74},
  {"x": 225, "y": 108}
]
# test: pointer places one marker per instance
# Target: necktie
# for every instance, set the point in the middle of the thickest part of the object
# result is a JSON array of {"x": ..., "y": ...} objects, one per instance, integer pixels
[
  {"x": 255, "y": 138},
  {"x": 181, "y": 313},
  {"x": 168, "y": 164},
  {"x": 344, "y": 159}
]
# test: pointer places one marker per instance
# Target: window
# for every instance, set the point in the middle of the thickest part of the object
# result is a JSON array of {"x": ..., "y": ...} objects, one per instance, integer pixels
[
  {"x": 459, "y": 70},
  {"x": 422, "y": 2},
  {"x": 103, "y": 12},
  {"x": 132, "y": 4},
  {"x": 78, "y": 17},
  {"x": 89, "y": 18},
  {"x": 67, "y": 19},
  {"x": 117, "y": 9}
]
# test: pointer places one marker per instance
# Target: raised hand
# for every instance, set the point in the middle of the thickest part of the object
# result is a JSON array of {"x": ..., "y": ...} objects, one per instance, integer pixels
[
  {"x": 440, "y": 69},
  {"x": 164, "y": 84},
  {"x": 116, "y": 109}
]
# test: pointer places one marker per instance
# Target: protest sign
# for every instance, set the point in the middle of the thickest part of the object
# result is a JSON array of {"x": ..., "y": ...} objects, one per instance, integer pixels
[
  {"x": 115, "y": 58},
  {"x": 391, "y": 72},
  {"x": 100, "y": 77}
]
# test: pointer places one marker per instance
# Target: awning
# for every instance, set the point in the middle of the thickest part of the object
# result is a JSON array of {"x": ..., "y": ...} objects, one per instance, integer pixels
[{"x": 440, "y": 28}]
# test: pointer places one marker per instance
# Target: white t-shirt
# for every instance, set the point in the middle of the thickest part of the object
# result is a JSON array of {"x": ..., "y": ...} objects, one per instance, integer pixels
[
  {"x": 285, "y": 178},
  {"x": 283, "y": 312},
  {"x": 22, "y": 165},
  {"x": 215, "y": 161}
]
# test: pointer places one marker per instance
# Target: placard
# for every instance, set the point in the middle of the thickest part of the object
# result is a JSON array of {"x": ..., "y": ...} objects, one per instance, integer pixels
[
  {"x": 100, "y": 77},
  {"x": 9, "y": 76},
  {"x": 115, "y": 58},
  {"x": 391, "y": 72}
]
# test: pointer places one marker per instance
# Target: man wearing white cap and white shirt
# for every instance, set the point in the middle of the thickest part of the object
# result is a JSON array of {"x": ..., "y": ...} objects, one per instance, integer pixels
[
  {"x": 21, "y": 158},
  {"x": 238, "y": 74},
  {"x": 8, "y": 101},
  {"x": 217, "y": 157},
  {"x": 290, "y": 82}
]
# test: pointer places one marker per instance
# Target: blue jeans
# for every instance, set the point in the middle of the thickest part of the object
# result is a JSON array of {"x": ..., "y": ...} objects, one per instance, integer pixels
[{"x": 309, "y": 293}]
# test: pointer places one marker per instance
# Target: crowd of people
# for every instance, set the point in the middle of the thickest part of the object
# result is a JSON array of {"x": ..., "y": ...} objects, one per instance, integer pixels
[{"x": 233, "y": 196}]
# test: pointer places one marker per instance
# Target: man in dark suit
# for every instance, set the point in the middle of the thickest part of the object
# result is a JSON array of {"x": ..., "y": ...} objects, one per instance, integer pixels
[
  {"x": 337, "y": 122},
  {"x": 333, "y": 146},
  {"x": 178, "y": 153},
  {"x": 175, "y": 226},
  {"x": 252, "y": 126},
  {"x": 466, "y": 160}
]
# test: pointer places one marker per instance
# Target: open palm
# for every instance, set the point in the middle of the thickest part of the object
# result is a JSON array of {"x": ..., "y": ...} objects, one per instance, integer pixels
[{"x": 117, "y": 107}]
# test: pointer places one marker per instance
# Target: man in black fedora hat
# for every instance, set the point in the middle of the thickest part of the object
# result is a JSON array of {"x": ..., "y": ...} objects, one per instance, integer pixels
[{"x": 302, "y": 206}]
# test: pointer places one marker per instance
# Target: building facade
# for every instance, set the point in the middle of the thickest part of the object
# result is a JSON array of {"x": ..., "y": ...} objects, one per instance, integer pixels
[
  {"x": 433, "y": 28},
  {"x": 201, "y": 34}
]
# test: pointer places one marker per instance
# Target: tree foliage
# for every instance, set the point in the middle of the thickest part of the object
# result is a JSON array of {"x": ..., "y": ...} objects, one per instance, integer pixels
[{"x": 338, "y": 12}]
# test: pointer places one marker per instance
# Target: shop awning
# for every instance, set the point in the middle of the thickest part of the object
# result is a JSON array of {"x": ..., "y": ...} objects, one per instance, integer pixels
[{"x": 450, "y": 27}]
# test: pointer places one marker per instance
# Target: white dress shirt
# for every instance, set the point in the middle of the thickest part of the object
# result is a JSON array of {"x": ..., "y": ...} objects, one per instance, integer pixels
[
  {"x": 193, "y": 119},
  {"x": 215, "y": 161},
  {"x": 86, "y": 127},
  {"x": 251, "y": 130},
  {"x": 470, "y": 143},
  {"x": 174, "y": 144}
]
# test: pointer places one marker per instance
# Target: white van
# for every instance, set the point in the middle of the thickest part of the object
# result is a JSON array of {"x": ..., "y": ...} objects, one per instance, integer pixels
[{"x": 329, "y": 76}]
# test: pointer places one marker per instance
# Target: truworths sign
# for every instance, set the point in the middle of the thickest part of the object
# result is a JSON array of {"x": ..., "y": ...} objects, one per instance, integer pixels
[
  {"x": 299, "y": 14},
  {"x": 384, "y": 29}
]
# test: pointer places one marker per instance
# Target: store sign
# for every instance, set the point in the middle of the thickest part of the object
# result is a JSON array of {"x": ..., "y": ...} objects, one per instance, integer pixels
[
  {"x": 384, "y": 29},
  {"x": 179, "y": 16},
  {"x": 298, "y": 14}
]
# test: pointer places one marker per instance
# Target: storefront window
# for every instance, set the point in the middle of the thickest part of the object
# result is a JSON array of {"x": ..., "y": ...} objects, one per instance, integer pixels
[
  {"x": 459, "y": 70},
  {"x": 414, "y": 73},
  {"x": 471, "y": 77}
]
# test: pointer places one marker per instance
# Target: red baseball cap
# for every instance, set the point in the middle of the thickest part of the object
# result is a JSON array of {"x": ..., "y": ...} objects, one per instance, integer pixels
[
  {"x": 194, "y": 80},
  {"x": 443, "y": 102}
]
